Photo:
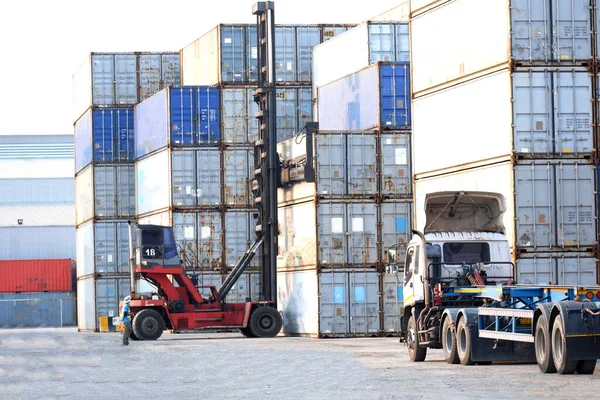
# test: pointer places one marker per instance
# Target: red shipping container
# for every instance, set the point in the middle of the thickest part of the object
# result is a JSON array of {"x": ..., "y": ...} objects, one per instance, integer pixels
[{"x": 21, "y": 276}]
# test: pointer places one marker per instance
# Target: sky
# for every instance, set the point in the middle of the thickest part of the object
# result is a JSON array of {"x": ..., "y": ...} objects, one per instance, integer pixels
[{"x": 42, "y": 43}]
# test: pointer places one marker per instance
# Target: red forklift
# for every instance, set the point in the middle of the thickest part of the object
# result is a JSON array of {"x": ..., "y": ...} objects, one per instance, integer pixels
[{"x": 178, "y": 304}]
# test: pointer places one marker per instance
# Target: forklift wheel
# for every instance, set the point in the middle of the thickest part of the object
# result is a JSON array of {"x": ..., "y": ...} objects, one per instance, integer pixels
[
  {"x": 246, "y": 332},
  {"x": 132, "y": 336},
  {"x": 148, "y": 324},
  {"x": 265, "y": 322}
]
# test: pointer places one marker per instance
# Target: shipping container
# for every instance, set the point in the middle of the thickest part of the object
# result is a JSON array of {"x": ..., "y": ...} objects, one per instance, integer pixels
[
  {"x": 550, "y": 204},
  {"x": 99, "y": 298},
  {"x": 122, "y": 79},
  {"x": 193, "y": 178},
  {"x": 37, "y": 242},
  {"x": 38, "y": 310},
  {"x": 178, "y": 117},
  {"x": 579, "y": 269},
  {"x": 329, "y": 303},
  {"x": 247, "y": 285},
  {"x": 103, "y": 248},
  {"x": 396, "y": 220},
  {"x": 49, "y": 275},
  {"x": 209, "y": 239},
  {"x": 36, "y": 190},
  {"x": 104, "y": 135},
  {"x": 545, "y": 113},
  {"x": 358, "y": 48},
  {"x": 543, "y": 32},
  {"x": 393, "y": 303},
  {"x": 374, "y": 98},
  {"x": 105, "y": 192},
  {"x": 228, "y": 54},
  {"x": 351, "y": 164}
]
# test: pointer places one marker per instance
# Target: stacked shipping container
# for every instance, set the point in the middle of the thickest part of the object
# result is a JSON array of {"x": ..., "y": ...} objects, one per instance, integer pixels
[
  {"x": 106, "y": 88},
  {"x": 333, "y": 232},
  {"x": 513, "y": 111}
]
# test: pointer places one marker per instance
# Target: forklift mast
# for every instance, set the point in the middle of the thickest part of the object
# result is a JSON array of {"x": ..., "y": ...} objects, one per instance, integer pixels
[{"x": 266, "y": 159}]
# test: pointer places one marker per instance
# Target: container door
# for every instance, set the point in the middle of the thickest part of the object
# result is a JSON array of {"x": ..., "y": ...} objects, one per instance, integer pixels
[
  {"x": 307, "y": 38},
  {"x": 362, "y": 233},
  {"x": 536, "y": 271},
  {"x": 395, "y": 219},
  {"x": 331, "y": 172},
  {"x": 103, "y": 78},
  {"x": 210, "y": 240},
  {"x": 286, "y": 105},
  {"x": 235, "y": 115},
  {"x": 531, "y": 30},
  {"x": 123, "y": 246},
  {"x": 109, "y": 292},
  {"x": 233, "y": 54},
  {"x": 125, "y": 190},
  {"x": 209, "y": 168},
  {"x": 331, "y": 234},
  {"x": 305, "y": 107},
  {"x": 150, "y": 75},
  {"x": 364, "y": 305},
  {"x": 393, "y": 302},
  {"x": 361, "y": 156},
  {"x": 334, "y": 303},
  {"x": 105, "y": 191},
  {"x": 252, "y": 121},
  {"x": 123, "y": 131},
  {"x": 239, "y": 234},
  {"x": 105, "y": 243},
  {"x": 572, "y": 30},
  {"x": 580, "y": 271},
  {"x": 170, "y": 70},
  {"x": 252, "y": 53},
  {"x": 126, "y": 80},
  {"x": 396, "y": 176},
  {"x": 237, "y": 167},
  {"x": 394, "y": 101},
  {"x": 184, "y": 183},
  {"x": 285, "y": 53},
  {"x": 185, "y": 230}
]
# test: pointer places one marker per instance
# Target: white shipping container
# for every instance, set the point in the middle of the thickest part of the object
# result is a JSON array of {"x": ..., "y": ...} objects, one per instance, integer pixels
[
  {"x": 544, "y": 112},
  {"x": 329, "y": 303},
  {"x": 579, "y": 269},
  {"x": 474, "y": 36},
  {"x": 550, "y": 204}
]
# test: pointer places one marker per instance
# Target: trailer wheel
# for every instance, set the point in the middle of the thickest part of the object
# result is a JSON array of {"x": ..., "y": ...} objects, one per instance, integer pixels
[
  {"x": 148, "y": 324},
  {"x": 449, "y": 343},
  {"x": 559, "y": 349},
  {"x": 463, "y": 342},
  {"x": 586, "y": 367},
  {"x": 543, "y": 346},
  {"x": 246, "y": 332},
  {"x": 265, "y": 322},
  {"x": 416, "y": 353}
]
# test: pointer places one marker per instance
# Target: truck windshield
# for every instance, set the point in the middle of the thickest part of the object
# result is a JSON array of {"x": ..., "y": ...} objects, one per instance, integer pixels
[{"x": 466, "y": 252}]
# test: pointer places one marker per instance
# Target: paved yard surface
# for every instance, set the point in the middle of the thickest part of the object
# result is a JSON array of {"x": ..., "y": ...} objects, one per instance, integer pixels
[{"x": 62, "y": 363}]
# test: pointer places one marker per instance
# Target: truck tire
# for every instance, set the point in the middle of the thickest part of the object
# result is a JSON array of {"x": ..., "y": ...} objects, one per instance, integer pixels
[
  {"x": 416, "y": 353},
  {"x": 586, "y": 367},
  {"x": 148, "y": 324},
  {"x": 559, "y": 349},
  {"x": 543, "y": 346},
  {"x": 449, "y": 342},
  {"x": 265, "y": 322},
  {"x": 463, "y": 342}
]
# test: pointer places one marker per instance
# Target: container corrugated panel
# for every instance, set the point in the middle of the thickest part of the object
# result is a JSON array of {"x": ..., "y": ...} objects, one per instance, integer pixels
[
  {"x": 340, "y": 303},
  {"x": 122, "y": 79},
  {"x": 103, "y": 247},
  {"x": 396, "y": 218},
  {"x": 104, "y": 135},
  {"x": 97, "y": 298},
  {"x": 37, "y": 310},
  {"x": 50, "y": 275},
  {"x": 558, "y": 269},
  {"x": 542, "y": 112},
  {"x": 195, "y": 177},
  {"x": 36, "y": 190},
  {"x": 377, "y": 97},
  {"x": 239, "y": 236},
  {"x": 396, "y": 171},
  {"x": 37, "y": 242},
  {"x": 358, "y": 48},
  {"x": 237, "y": 114},
  {"x": 543, "y": 32},
  {"x": 238, "y": 172},
  {"x": 105, "y": 191},
  {"x": 550, "y": 204},
  {"x": 185, "y": 116},
  {"x": 393, "y": 302},
  {"x": 199, "y": 235}
]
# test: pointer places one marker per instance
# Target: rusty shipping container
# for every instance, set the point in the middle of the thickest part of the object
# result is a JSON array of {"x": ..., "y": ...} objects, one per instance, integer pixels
[{"x": 22, "y": 276}]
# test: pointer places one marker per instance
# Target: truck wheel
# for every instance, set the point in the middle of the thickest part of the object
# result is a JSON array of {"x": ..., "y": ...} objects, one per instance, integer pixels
[
  {"x": 559, "y": 349},
  {"x": 148, "y": 324},
  {"x": 543, "y": 346},
  {"x": 449, "y": 343},
  {"x": 416, "y": 353},
  {"x": 246, "y": 332},
  {"x": 463, "y": 342},
  {"x": 586, "y": 367},
  {"x": 265, "y": 322}
]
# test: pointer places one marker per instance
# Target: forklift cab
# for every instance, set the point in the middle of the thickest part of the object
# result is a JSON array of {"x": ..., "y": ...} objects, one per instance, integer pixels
[{"x": 156, "y": 247}]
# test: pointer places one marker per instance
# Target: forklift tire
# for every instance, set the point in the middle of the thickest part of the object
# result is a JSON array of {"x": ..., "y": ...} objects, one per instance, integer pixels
[
  {"x": 133, "y": 337},
  {"x": 148, "y": 324},
  {"x": 559, "y": 349},
  {"x": 246, "y": 332},
  {"x": 586, "y": 367},
  {"x": 416, "y": 353},
  {"x": 264, "y": 322},
  {"x": 543, "y": 346},
  {"x": 449, "y": 343},
  {"x": 463, "y": 341}
]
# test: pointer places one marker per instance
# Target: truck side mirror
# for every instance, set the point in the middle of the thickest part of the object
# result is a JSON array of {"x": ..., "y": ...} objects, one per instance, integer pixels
[
  {"x": 392, "y": 256},
  {"x": 433, "y": 251}
]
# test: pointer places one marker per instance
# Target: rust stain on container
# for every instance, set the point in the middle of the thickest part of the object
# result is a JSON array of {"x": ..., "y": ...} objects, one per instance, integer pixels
[{"x": 542, "y": 219}]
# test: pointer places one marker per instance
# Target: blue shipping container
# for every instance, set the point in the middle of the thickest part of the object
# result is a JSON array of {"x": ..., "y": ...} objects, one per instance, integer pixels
[
  {"x": 180, "y": 117},
  {"x": 376, "y": 97},
  {"x": 33, "y": 310},
  {"x": 104, "y": 135}
]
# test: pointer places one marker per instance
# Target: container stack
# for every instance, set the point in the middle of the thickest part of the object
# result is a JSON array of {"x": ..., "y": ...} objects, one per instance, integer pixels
[
  {"x": 513, "y": 111},
  {"x": 37, "y": 293},
  {"x": 334, "y": 232},
  {"x": 106, "y": 88}
]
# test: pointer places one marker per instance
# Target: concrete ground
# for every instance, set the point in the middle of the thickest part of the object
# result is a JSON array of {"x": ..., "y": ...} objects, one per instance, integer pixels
[{"x": 62, "y": 363}]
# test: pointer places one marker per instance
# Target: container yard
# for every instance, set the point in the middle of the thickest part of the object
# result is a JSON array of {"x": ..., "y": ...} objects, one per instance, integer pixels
[{"x": 357, "y": 202}]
